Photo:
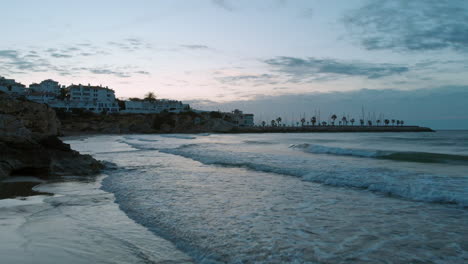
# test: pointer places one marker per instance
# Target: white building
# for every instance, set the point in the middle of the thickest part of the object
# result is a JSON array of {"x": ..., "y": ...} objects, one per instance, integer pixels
[
  {"x": 97, "y": 99},
  {"x": 240, "y": 119},
  {"x": 11, "y": 87},
  {"x": 154, "y": 106},
  {"x": 44, "y": 92}
]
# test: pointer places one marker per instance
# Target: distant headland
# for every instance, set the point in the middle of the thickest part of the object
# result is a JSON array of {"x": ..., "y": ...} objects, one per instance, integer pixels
[{"x": 95, "y": 109}]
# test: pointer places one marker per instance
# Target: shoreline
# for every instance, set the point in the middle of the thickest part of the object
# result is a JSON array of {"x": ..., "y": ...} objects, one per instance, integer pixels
[
  {"x": 72, "y": 222},
  {"x": 256, "y": 130}
]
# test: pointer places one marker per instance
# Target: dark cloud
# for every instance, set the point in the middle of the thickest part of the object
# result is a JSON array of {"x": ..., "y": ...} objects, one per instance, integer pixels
[
  {"x": 73, "y": 49},
  {"x": 313, "y": 69},
  {"x": 195, "y": 47},
  {"x": 130, "y": 44},
  {"x": 13, "y": 60},
  {"x": 308, "y": 13},
  {"x": 415, "y": 25},
  {"x": 255, "y": 79},
  {"x": 60, "y": 55},
  {"x": 224, "y": 4},
  {"x": 143, "y": 72},
  {"x": 116, "y": 73},
  {"x": 11, "y": 54}
]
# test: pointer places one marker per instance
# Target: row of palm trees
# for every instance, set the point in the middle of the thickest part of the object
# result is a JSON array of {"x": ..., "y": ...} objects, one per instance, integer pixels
[{"x": 343, "y": 122}]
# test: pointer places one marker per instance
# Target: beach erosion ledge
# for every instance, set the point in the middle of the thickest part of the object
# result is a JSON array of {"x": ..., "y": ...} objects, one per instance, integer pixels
[{"x": 29, "y": 143}]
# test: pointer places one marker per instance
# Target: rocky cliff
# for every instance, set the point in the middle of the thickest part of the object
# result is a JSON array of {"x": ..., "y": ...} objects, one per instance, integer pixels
[
  {"x": 29, "y": 144},
  {"x": 189, "y": 122}
]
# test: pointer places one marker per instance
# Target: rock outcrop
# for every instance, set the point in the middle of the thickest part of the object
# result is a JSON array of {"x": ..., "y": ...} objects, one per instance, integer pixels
[
  {"x": 29, "y": 143},
  {"x": 143, "y": 123}
]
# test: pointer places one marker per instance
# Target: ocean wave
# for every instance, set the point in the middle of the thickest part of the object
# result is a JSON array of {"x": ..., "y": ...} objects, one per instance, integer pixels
[
  {"x": 255, "y": 142},
  {"x": 393, "y": 182},
  {"x": 319, "y": 149},
  {"x": 177, "y": 136},
  {"x": 423, "y": 157}
]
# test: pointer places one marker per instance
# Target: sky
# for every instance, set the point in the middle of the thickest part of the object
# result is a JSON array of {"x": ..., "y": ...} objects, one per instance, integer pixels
[{"x": 291, "y": 58}]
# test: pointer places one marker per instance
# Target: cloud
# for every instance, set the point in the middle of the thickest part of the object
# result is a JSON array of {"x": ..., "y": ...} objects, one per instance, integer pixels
[
  {"x": 11, "y": 54},
  {"x": 60, "y": 55},
  {"x": 313, "y": 69},
  {"x": 223, "y": 4},
  {"x": 13, "y": 60},
  {"x": 262, "y": 78},
  {"x": 120, "y": 74},
  {"x": 143, "y": 72},
  {"x": 416, "y": 25},
  {"x": 130, "y": 44},
  {"x": 308, "y": 13},
  {"x": 196, "y": 47}
]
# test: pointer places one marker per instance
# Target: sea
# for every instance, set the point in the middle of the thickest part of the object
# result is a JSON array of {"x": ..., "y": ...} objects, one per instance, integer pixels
[{"x": 251, "y": 198}]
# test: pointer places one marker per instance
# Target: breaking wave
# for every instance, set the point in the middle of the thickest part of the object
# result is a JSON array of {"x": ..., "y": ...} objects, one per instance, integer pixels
[
  {"x": 424, "y": 157},
  {"x": 393, "y": 182}
]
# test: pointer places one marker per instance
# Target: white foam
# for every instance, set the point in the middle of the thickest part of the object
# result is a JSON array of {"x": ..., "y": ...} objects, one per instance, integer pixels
[
  {"x": 319, "y": 149},
  {"x": 177, "y": 136},
  {"x": 401, "y": 183},
  {"x": 36, "y": 199}
]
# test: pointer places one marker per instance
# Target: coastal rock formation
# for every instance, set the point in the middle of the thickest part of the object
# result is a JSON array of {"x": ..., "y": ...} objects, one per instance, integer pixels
[
  {"x": 143, "y": 123},
  {"x": 29, "y": 144}
]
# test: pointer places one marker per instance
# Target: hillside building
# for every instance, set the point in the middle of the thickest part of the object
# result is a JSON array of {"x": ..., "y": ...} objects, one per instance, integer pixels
[
  {"x": 154, "y": 106},
  {"x": 10, "y": 86}
]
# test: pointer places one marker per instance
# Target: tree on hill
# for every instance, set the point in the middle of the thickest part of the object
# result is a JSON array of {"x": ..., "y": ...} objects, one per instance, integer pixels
[{"x": 150, "y": 97}]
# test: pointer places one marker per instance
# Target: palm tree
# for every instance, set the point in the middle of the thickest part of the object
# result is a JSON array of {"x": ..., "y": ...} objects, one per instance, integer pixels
[
  {"x": 278, "y": 120},
  {"x": 324, "y": 123},
  {"x": 302, "y": 121},
  {"x": 378, "y": 122},
  {"x": 401, "y": 122},
  {"x": 344, "y": 120},
  {"x": 398, "y": 122},
  {"x": 361, "y": 121},
  {"x": 273, "y": 123},
  {"x": 369, "y": 122},
  {"x": 333, "y": 117},
  {"x": 393, "y": 122},
  {"x": 313, "y": 120},
  {"x": 352, "y": 121},
  {"x": 340, "y": 122},
  {"x": 386, "y": 121},
  {"x": 263, "y": 123}
]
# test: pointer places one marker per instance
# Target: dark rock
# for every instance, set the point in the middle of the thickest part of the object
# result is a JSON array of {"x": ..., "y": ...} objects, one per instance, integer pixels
[{"x": 29, "y": 143}]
